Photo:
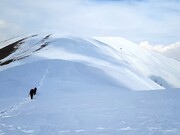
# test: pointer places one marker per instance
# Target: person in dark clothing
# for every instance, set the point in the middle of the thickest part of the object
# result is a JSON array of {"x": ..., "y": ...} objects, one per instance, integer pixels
[
  {"x": 31, "y": 93},
  {"x": 35, "y": 89}
]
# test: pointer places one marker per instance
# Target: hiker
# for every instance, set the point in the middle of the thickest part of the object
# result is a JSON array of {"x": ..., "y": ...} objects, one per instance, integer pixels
[
  {"x": 35, "y": 89},
  {"x": 31, "y": 93}
]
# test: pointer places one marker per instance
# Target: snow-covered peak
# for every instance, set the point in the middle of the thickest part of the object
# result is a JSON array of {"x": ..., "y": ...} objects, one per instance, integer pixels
[
  {"x": 86, "y": 86},
  {"x": 117, "y": 61}
]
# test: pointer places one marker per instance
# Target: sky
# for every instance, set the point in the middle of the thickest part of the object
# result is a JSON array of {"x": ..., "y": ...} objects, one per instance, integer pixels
[
  {"x": 171, "y": 51},
  {"x": 153, "y": 21}
]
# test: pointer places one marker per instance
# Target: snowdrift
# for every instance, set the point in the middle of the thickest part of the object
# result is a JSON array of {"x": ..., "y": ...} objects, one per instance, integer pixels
[
  {"x": 86, "y": 86},
  {"x": 113, "y": 61}
]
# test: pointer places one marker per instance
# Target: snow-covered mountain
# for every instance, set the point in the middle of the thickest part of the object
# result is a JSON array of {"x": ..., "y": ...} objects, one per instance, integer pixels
[
  {"x": 125, "y": 64},
  {"x": 85, "y": 86}
]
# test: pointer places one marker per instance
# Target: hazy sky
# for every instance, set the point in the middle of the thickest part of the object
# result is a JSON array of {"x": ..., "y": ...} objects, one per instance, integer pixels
[{"x": 155, "y": 21}]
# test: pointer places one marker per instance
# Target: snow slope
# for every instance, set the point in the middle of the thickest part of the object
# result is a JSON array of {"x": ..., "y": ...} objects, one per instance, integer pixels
[
  {"x": 130, "y": 65},
  {"x": 88, "y": 86}
]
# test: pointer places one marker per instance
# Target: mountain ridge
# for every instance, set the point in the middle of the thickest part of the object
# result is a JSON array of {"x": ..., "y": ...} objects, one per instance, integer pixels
[
  {"x": 119, "y": 58},
  {"x": 88, "y": 86}
]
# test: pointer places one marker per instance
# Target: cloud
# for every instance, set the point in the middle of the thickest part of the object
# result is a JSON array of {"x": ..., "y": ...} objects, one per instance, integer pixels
[
  {"x": 136, "y": 20},
  {"x": 171, "y": 50},
  {"x": 8, "y": 30},
  {"x": 2, "y": 24},
  {"x": 157, "y": 48}
]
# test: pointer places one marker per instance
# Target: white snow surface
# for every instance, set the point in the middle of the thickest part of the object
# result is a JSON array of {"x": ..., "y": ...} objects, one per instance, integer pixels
[{"x": 89, "y": 86}]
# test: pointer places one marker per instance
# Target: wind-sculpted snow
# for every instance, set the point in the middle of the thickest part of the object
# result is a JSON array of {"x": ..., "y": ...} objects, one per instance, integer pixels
[
  {"x": 126, "y": 62},
  {"x": 22, "y": 48},
  {"x": 88, "y": 86},
  {"x": 148, "y": 63},
  {"x": 55, "y": 73}
]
